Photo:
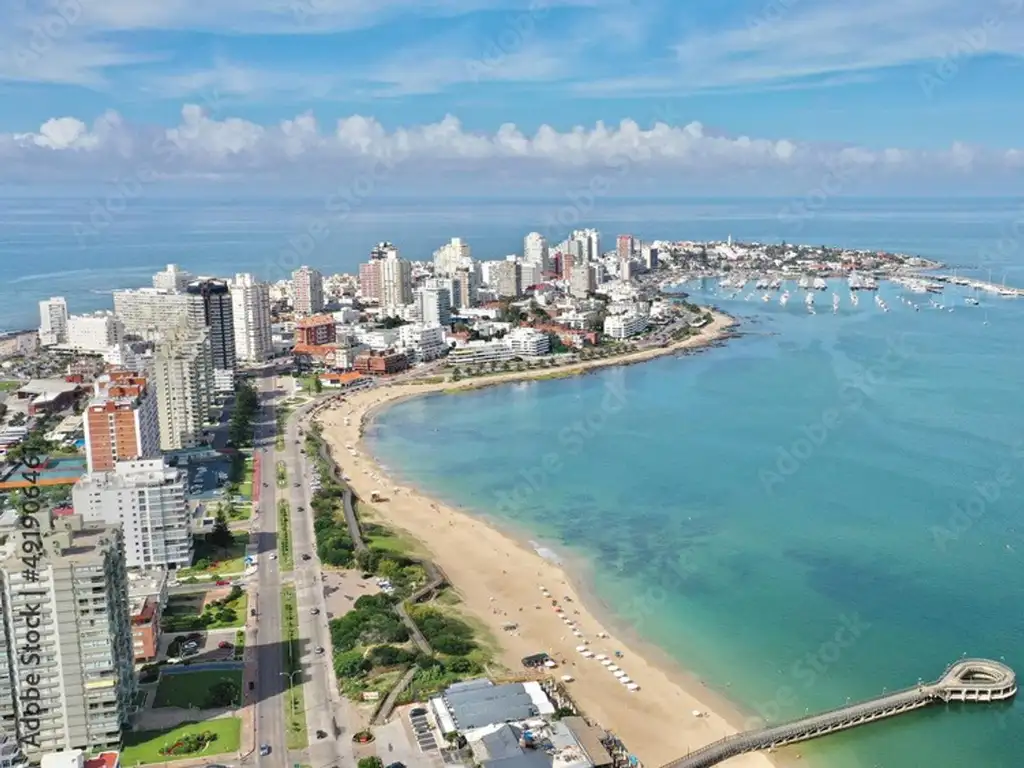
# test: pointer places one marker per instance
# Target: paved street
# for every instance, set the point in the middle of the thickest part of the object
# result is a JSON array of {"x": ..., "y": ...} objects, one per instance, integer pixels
[{"x": 325, "y": 710}]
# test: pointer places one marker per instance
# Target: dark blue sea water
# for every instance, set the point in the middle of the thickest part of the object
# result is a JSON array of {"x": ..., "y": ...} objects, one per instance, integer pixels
[
  {"x": 820, "y": 510},
  {"x": 824, "y": 508}
]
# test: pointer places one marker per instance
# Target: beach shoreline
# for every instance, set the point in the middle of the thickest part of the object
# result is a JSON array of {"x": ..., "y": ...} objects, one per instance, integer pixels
[{"x": 499, "y": 574}]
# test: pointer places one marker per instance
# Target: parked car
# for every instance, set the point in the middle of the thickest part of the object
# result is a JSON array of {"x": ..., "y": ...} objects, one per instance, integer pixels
[
  {"x": 314, "y": 611},
  {"x": 319, "y": 650},
  {"x": 321, "y": 734},
  {"x": 223, "y": 583},
  {"x": 307, "y": 556},
  {"x": 224, "y": 644},
  {"x": 264, "y": 749}
]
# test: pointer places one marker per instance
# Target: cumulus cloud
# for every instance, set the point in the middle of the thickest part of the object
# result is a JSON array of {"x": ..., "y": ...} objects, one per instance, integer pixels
[{"x": 201, "y": 146}]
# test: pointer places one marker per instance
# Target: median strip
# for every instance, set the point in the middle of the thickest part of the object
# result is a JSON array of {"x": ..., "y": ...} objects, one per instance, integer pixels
[
  {"x": 284, "y": 535},
  {"x": 294, "y": 701}
]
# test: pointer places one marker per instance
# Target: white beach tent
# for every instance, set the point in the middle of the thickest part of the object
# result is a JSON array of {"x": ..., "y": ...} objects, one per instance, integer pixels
[
  {"x": 601, "y": 657},
  {"x": 633, "y": 687},
  {"x": 620, "y": 673},
  {"x": 588, "y": 655},
  {"x": 567, "y": 678},
  {"x": 606, "y": 662},
  {"x": 581, "y": 648},
  {"x": 625, "y": 680},
  {"x": 612, "y": 668}
]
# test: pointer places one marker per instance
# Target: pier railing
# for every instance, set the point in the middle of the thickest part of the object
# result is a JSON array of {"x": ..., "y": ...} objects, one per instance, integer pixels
[{"x": 976, "y": 680}]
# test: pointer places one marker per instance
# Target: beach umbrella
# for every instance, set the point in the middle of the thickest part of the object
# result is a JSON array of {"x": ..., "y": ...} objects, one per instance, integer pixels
[
  {"x": 588, "y": 654},
  {"x": 581, "y": 648},
  {"x": 601, "y": 657},
  {"x": 633, "y": 687},
  {"x": 612, "y": 668},
  {"x": 620, "y": 673},
  {"x": 625, "y": 680},
  {"x": 567, "y": 678},
  {"x": 606, "y": 662},
  {"x": 577, "y": 633}
]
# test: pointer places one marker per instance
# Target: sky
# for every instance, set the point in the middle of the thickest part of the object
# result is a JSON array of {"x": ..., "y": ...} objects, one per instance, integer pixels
[{"x": 752, "y": 96}]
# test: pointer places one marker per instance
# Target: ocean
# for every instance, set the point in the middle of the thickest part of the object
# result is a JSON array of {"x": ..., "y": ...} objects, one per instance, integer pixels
[
  {"x": 821, "y": 509},
  {"x": 816, "y": 512}
]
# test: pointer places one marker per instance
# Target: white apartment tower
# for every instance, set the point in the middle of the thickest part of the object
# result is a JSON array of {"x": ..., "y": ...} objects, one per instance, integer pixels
[
  {"x": 465, "y": 285},
  {"x": 66, "y": 662},
  {"x": 147, "y": 499},
  {"x": 149, "y": 313},
  {"x": 250, "y": 301},
  {"x": 95, "y": 333},
  {"x": 309, "y": 291},
  {"x": 452, "y": 256},
  {"x": 183, "y": 379},
  {"x": 396, "y": 281},
  {"x": 434, "y": 304},
  {"x": 172, "y": 279},
  {"x": 53, "y": 321},
  {"x": 583, "y": 281},
  {"x": 535, "y": 251}
]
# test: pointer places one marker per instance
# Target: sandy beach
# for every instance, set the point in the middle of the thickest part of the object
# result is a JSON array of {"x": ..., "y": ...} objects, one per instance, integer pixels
[{"x": 500, "y": 580}]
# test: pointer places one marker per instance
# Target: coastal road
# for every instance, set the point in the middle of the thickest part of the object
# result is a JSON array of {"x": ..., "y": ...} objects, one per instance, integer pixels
[
  {"x": 266, "y": 636},
  {"x": 325, "y": 710}
]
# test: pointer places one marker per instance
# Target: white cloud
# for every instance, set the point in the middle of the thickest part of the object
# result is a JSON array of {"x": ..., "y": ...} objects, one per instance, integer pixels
[
  {"x": 302, "y": 149},
  {"x": 790, "y": 40}
]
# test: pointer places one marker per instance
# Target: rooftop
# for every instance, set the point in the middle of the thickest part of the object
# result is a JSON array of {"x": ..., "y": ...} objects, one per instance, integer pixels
[
  {"x": 476, "y": 703},
  {"x": 49, "y": 387}
]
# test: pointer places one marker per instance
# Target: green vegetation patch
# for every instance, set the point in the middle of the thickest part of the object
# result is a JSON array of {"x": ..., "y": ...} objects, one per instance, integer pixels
[
  {"x": 294, "y": 702},
  {"x": 184, "y": 613},
  {"x": 146, "y": 747},
  {"x": 200, "y": 690},
  {"x": 284, "y": 535}
]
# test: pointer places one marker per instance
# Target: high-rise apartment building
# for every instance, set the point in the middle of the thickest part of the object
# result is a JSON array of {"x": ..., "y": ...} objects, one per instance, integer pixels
[
  {"x": 172, "y": 279},
  {"x": 506, "y": 278},
  {"x": 535, "y": 252},
  {"x": 121, "y": 421},
  {"x": 53, "y": 321},
  {"x": 150, "y": 312},
  {"x": 583, "y": 281},
  {"x": 210, "y": 306},
  {"x": 97, "y": 332},
  {"x": 575, "y": 256},
  {"x": 624, "y": 246},
  {"x": 465, "y": 285},
  {"x": 250, "y": 307},
  {"x": 434, "y": 304},
  {"x": 183, "y": 380},
  {"x": 591, "y": 242},
  {"x": 309, "y": 291},
  {"x": 451, "y": 256},
  {"x": 147, "y": 499},
  {"x": 66, "y": 676},
  {"x": 396, "y": 281}
]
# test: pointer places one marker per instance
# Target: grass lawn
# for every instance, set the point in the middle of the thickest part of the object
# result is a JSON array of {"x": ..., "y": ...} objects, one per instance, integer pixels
[
  {"x": 282, "y": 474},
  {"x": 392, "y": 543},
  {"x": 190, "y": 605},
  {"x": 239, "y": 645},
  {"x": 188, "y": 689},
  {"x": 220, "y": 561},
  {"x": 143, "y": 747},
  {"x": 284, "y": 535},
  {"x": 245, "y": 487},
  {"x": 294, "y": 702},
  {"x": 9, "y": 386}
]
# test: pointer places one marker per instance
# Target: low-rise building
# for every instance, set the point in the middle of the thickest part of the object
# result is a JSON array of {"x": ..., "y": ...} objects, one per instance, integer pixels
[
  {"x": 528, "y": 342},
  {"x": 624, "y": 326},
  {"x": 147, "y": 596},
  {"x": 423, "y": 342},
  {"x": 481, "y": 353},
  {"x": 48, "y": 395},
  {"x": 381, "y": 363}
]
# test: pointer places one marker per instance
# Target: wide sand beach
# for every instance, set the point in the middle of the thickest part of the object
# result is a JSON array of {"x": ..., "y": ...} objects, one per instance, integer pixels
[{"x": 500, "y": 581}]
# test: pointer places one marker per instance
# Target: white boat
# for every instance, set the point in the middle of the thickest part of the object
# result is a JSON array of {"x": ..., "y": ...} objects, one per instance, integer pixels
[
  {"x": 971, "y": 301},
  {"x": 804, "y": 283},
  {"x": 766, "y": 298},
  {"x": 784, "y": 298},
  {"x": 809, "y": 301},
  {"x": 775, "y": 285},
  {"x": 820, "y": 284},
  {"x": 835, "y": 303}
]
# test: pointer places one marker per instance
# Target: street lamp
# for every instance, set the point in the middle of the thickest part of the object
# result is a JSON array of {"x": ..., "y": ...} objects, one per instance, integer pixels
[{"x": 291, "y": 684}]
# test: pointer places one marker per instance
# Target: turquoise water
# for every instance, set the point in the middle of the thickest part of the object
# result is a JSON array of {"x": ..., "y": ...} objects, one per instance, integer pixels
[{"x": 822, "y": 509}]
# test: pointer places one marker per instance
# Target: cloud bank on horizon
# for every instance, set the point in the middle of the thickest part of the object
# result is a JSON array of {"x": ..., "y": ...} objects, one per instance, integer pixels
[{"x": 766, "y": 91}]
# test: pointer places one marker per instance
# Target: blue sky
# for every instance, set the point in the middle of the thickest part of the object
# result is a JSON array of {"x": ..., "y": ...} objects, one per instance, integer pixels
[{"x": 910, "y": 75}]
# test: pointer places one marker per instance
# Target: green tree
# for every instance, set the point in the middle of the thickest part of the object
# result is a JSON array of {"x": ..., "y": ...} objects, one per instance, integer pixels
[
  {"x": 221, "y": 536},
  {"x": 318, "y": 385},
  {"x": 370, "y": 762}
]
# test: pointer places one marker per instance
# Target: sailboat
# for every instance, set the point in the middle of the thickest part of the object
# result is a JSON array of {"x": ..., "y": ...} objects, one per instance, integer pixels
[
  {"x": 835, "y": 303},
  {"x": 784, "y": 298}
]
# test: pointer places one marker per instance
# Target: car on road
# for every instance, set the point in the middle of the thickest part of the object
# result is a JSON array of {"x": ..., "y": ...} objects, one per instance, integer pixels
[
  {"x": 224, "y": 645},
  {"x": 319, "y": 650},
  {"x": 264, "y": 749},
  {"x": 273, "y": 555},
  {"x": 315, "y": 611},
  {"x": 223, "y": 583},
  {"x": 307, "y": 556},
  {"x": 321, "y": 734}
]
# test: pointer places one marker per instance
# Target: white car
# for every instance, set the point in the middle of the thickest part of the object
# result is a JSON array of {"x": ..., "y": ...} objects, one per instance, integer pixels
[{"x": 273, "y": 556}]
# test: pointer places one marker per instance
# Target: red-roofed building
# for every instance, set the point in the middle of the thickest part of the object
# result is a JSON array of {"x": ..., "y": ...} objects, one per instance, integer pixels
[
  {"x": 315, "y": 331},
  {"x": 104, "y": 760}
]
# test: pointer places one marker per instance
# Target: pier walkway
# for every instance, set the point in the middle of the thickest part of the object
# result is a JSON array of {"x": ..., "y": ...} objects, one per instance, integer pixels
[{"x": 974, "y": 680}]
